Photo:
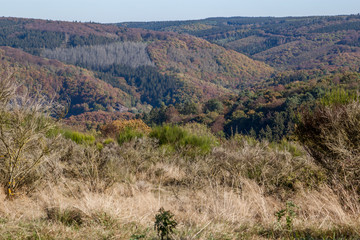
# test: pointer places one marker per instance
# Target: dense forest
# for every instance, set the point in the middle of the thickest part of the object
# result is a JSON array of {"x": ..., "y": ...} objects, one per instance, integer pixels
[
  {"x": 155, "y": 88},
  {"x": 265, "y": 113}
]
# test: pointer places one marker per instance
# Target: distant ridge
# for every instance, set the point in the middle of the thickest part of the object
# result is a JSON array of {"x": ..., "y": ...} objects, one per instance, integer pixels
[{"x": 286, "y": 43}]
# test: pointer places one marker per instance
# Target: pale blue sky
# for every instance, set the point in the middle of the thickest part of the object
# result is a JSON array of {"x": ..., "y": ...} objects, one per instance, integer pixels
[{"x": 107, "y": 11}]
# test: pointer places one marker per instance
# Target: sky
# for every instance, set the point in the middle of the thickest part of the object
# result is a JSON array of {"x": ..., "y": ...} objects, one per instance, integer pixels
[{"x": 111, "y": 11}]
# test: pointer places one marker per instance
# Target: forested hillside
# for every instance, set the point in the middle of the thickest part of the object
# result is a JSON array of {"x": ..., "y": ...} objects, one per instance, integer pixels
[
  {"x": 207, "y": 69},
  {"x": 186, "y": 78},
  {"x": 76, "y": 88},
  {"x": 285, "y": 43},
  {"x": 151, "y": 67}
]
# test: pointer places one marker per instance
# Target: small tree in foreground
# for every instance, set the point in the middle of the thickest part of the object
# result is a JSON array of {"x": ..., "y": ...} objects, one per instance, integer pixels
[
  {"x": 331, "y": 134},
  {"x": 24, "y": 124},
  {"x": 164, "y": 224}
]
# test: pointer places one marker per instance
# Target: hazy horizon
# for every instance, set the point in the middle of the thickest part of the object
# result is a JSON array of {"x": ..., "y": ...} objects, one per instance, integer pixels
[{"x": 110, "y": 11}]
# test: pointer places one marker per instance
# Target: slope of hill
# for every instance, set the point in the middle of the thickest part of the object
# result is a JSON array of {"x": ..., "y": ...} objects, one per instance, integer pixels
[
  {"x": 147, "y": 67},
  {"x": 206, "y": 67},
  {"x": 285, "y": 43},
  {"x": 155, "y": 67},
  {"x": 306, "y": 54},
  {"x": 65, "y": 83}
]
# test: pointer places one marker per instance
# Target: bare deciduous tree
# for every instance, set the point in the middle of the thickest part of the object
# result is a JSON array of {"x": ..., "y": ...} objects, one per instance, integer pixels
[
  {"x": 7, "y": 89},
  {"x": 131, "y": 54},
  {"x": 24, "y": 123}
]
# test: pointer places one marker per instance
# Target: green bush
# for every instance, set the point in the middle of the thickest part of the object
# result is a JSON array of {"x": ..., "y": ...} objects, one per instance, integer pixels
[
  {"x": 128, "y": 135},
  {"x": 164, "y": 224},
  {"x": 168, "y": 134},
  {"x": 179, "y": 137},
  {"x": 108, "y": 141},
  {"x": 99, "y": 146},
  {"x": 79, "y": 138}
]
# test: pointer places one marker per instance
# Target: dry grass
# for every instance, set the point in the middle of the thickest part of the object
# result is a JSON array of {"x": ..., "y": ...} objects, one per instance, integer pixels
[
  {"x": 232, "y": 193},
  {"x": 127, "y": 209}
]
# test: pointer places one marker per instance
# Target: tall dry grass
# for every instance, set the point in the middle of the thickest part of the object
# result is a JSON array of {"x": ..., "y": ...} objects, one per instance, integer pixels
[{"x": 233, "y": 192}]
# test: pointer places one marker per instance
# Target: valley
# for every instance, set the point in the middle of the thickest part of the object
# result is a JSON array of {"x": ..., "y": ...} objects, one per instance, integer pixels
[{"x": 219, "y": 128}]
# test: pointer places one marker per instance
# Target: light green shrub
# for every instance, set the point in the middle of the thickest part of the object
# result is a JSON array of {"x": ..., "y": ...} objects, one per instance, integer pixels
[
  {"x": 180, "y": 137},
  {"x": 128, "y": 135},
  {"x": 108, "y": 141},
  {"x": 77, "y": 137}
]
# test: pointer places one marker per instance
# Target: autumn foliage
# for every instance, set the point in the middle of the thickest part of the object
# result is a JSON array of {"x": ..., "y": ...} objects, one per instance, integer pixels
[{"x": 119, "y": 126}]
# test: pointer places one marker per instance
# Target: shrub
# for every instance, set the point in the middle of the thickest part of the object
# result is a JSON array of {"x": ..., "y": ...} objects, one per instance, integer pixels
[
  {"x": 24, "y": 146},
  {"x": 285, "y": 145},
  {"x": 272, "y": 167},
  {"x": 99, "y": 146},
  {"x": 180, "y": 137},
  {"x": 77, "y": 137},
  {"x": 128, "y": 135},
  {"x": 108, "y": 141},
  {"x": 168, "y": 134},
  {"x": 331, "y": 134},
  {"x": 119, "y": 126},
  {"x": 164, "y": 224},
  {"x": 97, "y": 169}
]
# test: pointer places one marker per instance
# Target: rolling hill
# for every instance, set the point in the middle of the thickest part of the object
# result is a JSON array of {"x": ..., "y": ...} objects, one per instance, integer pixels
[
  {"x": 65, "y": 83},
  {"x": 284, "y": 43},
  {"x": 142, "y": 66}
]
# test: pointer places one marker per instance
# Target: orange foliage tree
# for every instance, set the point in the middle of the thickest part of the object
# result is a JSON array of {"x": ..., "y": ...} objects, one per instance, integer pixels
[{"x": 118, "y": 126}]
